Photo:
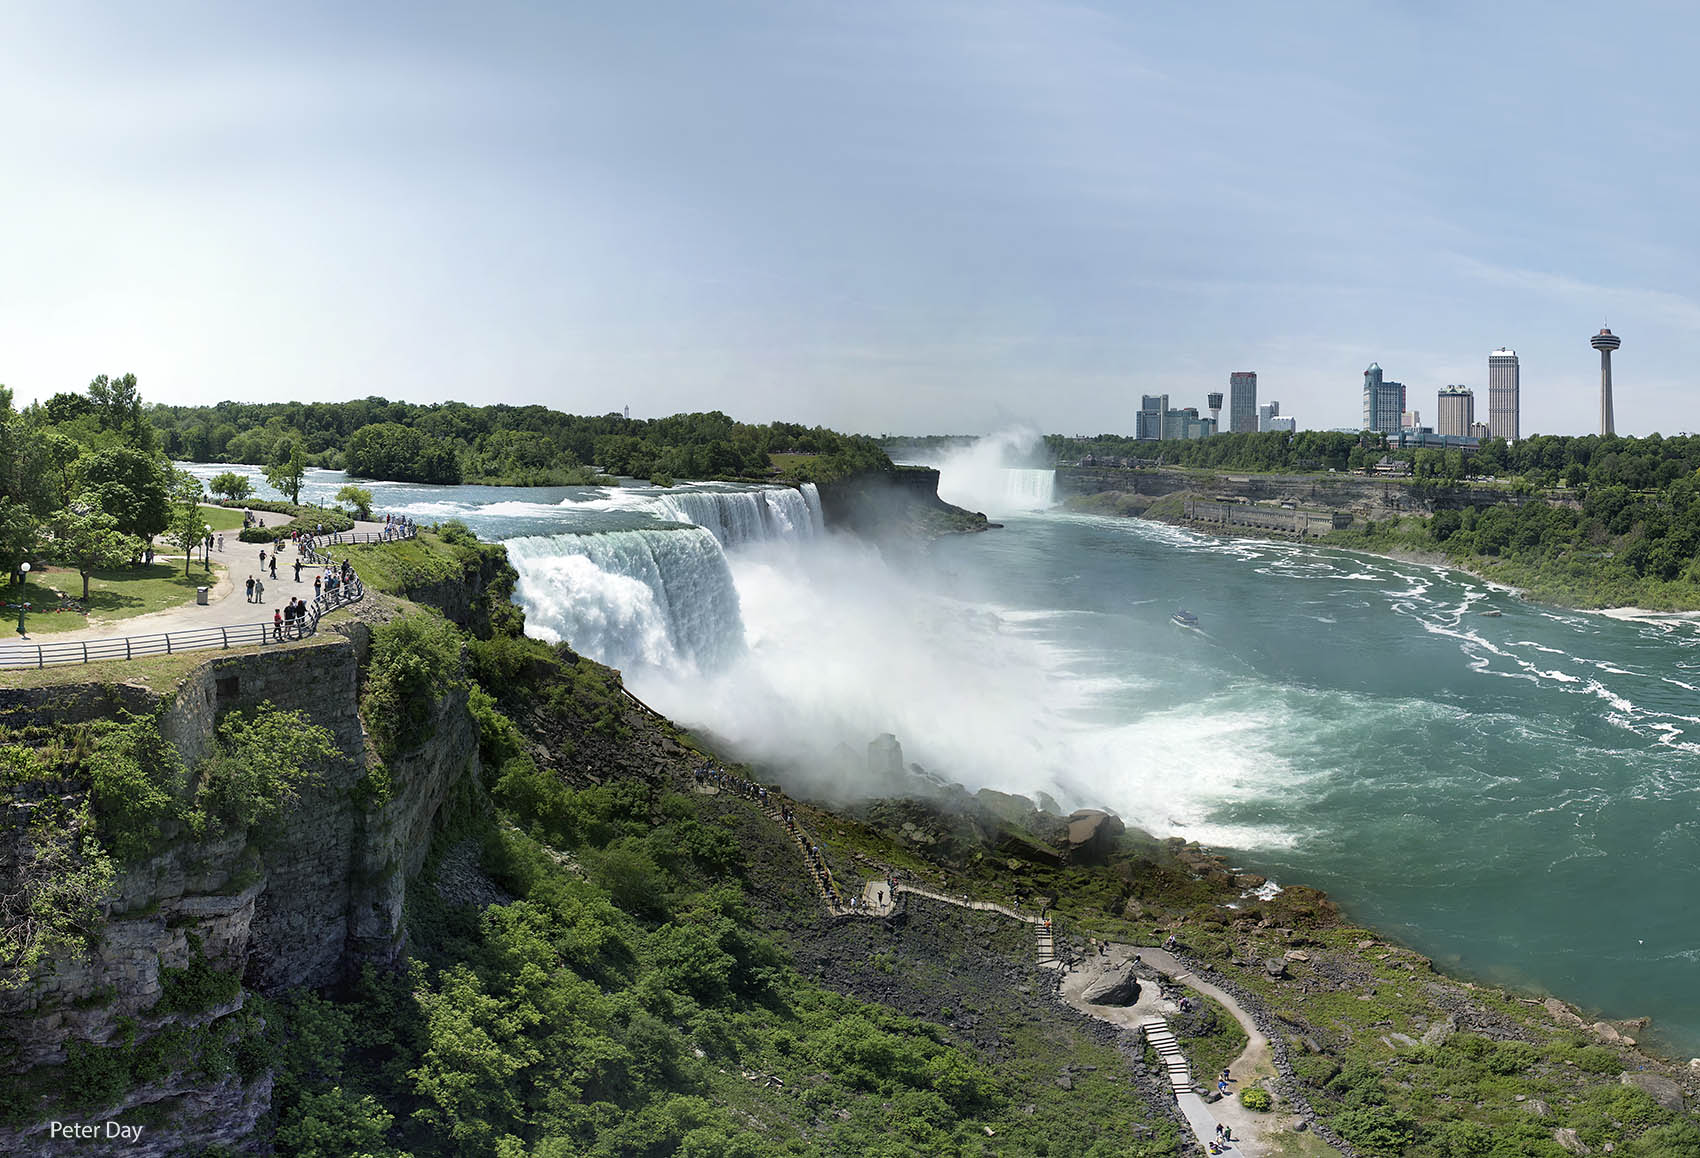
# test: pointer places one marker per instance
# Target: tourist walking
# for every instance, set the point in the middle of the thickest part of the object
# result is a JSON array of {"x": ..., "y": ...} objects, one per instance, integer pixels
[
  {"x": 259, "y": 591},
  {"x": 298, "y": 569},
  {"x": 274, "y": 564},
  {"x": 318, "y": 586},
  {"x": 250, "y": 589}
]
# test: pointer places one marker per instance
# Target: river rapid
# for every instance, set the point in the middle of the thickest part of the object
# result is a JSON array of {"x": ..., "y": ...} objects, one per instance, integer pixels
[{"x": 1516, "y": 795}]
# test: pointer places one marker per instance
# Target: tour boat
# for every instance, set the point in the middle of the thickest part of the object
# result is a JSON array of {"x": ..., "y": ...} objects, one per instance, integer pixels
[{"x": 1185, "y": 618}]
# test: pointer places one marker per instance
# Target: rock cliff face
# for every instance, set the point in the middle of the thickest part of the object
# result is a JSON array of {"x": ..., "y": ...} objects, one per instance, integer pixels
[
  {"x": 1368, "y": 495},
  {"x": 901, "y": 503},
  {"x": 302, "y": 903}
]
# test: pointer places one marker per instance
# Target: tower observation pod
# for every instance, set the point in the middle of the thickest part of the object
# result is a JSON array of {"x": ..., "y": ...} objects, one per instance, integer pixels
[
  {"x": 1215, "y": 400},
  {"x": 1605, "y": 342}
]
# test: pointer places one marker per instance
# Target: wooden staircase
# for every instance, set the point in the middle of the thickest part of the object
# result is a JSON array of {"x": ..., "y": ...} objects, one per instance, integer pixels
[{"x": 1046, "y": 943}]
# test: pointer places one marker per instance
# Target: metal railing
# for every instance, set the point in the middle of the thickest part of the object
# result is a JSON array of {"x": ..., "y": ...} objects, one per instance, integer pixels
[{"x": 351, "y": 590}]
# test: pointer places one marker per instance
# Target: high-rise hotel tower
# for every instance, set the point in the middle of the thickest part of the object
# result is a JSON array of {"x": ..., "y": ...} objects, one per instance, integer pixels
[
  {"x": 1384, "y": 402},
  {"x": 1504, "y": 405},
  {"x": 1242, "y": 402}
]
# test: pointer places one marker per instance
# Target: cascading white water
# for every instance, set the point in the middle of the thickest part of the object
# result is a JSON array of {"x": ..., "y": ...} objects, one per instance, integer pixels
[
  {"x": 985, "y": 477},
  {"x": 657, "y": 597},
  {"x": 1030, "y": 488},
  {"x": 737, "y": 517}
]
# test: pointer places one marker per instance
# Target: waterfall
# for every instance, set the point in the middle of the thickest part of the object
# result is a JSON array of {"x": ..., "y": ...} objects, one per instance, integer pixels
[
  {"x": 651, "y": 597},
  {"x": 753, "y": 516},
  {"x": 1029, "y": 488}
]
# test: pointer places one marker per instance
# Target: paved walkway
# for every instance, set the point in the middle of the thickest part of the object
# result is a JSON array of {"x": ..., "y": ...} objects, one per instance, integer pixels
[
  {"x": 240, "y": 560},
  {"x": 1251, "y": 1130}
]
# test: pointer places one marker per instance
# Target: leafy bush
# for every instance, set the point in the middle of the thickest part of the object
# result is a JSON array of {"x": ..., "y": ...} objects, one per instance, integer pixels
[
  {"x": 262, "y": 759},
  {"x": 1378, "y": 1130},
  {"x": 334, "y": 1124},
  {"x": 136, "y": 778},
  {"x": 413, "y": 662},
  {"x": 54, "y": 887},
  {"x": 196, "y": 987},
  {"x": 1256, "y": 1098}
]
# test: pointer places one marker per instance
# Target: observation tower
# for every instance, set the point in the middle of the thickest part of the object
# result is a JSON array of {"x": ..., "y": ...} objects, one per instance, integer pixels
[{"x": 1605, "y": 342}]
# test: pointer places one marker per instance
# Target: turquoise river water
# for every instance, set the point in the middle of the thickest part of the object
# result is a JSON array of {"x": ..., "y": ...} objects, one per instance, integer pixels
[{"x": 1516, "y": 795}]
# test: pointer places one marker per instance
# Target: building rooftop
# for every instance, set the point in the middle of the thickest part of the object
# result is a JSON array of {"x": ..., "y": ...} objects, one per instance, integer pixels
[{"x": 1503, "y": 352}]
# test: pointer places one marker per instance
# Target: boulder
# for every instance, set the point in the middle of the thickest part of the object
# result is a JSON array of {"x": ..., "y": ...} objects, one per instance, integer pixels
[
  {"x": 1539, "y": 1108},
  {"x": 1437, "y": 1033},
  {"x": 1275, "y": 967},
  {"x": 1562, "y": 1013},
  {"x": 1092, "y": 834},
  {"x": 1567, "y": 1138},
  {"x": 1662, "y": 1089},
  {"x": 885, "y": 756},
  {"x": 1112, "y": 987},
  {"x": 1297, "y": 955},
  {"x": 1607, "y": 1033}
]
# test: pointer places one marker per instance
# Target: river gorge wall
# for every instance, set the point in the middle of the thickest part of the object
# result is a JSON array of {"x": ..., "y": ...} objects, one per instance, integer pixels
[
  {"x": 304, "y": 900},
  {"x": 1365, "y": 495}
]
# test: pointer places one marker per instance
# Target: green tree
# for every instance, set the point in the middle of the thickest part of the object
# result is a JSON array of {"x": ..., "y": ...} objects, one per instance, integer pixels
[
  {"x": 358, "y": 498},
  {"x": 18, "y": 531},
  {"x": 287, "y": 468},
  {"x": 89, "y": 539},
  {"x": 187, "y": 528},
  {"x": 263, "y": 758},
  {"x": 336, "y": 1124},
  {"x": 231, "y": 485},
  {"x": 131, "y": 485}
]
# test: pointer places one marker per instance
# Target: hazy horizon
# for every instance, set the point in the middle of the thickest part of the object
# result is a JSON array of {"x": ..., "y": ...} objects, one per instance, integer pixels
[{"x": 891, "y": 218}]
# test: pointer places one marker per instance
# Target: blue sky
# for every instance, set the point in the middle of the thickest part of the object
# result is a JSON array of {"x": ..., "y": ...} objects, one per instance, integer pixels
[{"x": 881, "y": 216}]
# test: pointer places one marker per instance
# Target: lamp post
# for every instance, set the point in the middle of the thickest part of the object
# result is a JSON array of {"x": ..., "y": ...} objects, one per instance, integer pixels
[
  {"x": 23, "y": 607},
  {"x": 206, "y": 545}
]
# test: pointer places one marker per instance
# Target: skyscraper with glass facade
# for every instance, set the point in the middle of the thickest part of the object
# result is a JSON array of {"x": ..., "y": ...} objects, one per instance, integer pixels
[{"x": 1242, "y": 402}]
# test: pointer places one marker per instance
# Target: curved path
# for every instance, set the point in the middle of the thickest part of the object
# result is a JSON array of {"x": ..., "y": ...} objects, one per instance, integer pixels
[
  {"x": 237, "y": 562},
  {"x": 1251, "y": 1130}
]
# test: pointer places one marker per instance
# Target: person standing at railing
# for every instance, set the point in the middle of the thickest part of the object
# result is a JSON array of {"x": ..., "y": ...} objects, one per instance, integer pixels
[
  {"x": 277, "y": 626},
  {"x": 318, "y": 586}
]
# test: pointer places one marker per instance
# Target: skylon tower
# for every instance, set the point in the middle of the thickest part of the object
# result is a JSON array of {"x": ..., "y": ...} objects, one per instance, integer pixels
[{"x": 1605, "y": 342}]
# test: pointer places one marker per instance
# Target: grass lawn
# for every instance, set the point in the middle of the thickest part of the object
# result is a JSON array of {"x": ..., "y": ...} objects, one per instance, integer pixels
[
  {"x": 221, "y": 518},
  {"x": 786, "y": 463},
  {"x": 116, "y": 594}
]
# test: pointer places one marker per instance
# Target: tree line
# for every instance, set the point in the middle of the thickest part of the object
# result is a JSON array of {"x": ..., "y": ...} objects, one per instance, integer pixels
[
  {"x": 1540, "y": 462},
  {"x": 452, "y": 442},
  {"x": 85, "y": 481}
]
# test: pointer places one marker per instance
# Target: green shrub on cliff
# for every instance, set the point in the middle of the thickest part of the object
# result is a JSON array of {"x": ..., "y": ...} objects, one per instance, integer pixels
[
  {"x": 262, "y": 758},
  {"x": 413, "y": 662},
  {"x": 136, "y": 778},
  {"x": 51, "y": 892}
]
